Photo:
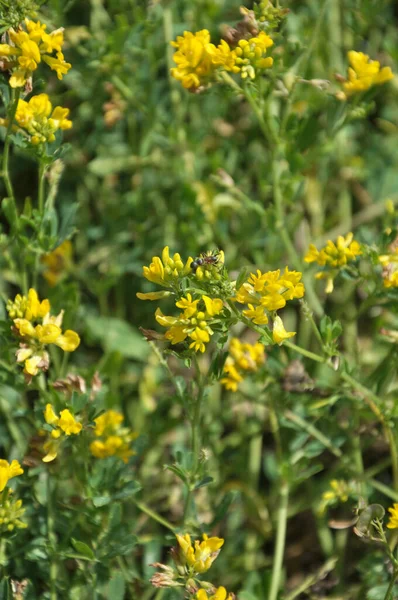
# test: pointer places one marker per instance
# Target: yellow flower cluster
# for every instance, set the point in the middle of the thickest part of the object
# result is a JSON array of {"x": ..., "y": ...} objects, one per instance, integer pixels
[
  {"x": 333, "y": 256},
  {"x": 190, "y": 559},
  {"x": 219, "y": 594},
  {"x": 242, "y": 357},
  {"x": 57, "y": 262},
  {"x": 38, "y": 120},
  {"x": 165, "y": 271},
  {"x": 250, "y": 55},
  {"x": 198, "y": 557},
  {"x": 390, "y": 267},
  {"x": 198, "y": 60},
  {"x": 62, "y": 424},
  {"x": 8, "y": 471},
  {"x": 113, "y": 439},
  {"x": 268, "y": 292},
  {"x": 28, "y": 47},
  {"x": 364, "y": 73},
  {"x": 25, "y": 311},
  {"x": 194, "y": 322},
  {"x": 11, "y": 512},
  {"x": 393, "y": 522}
]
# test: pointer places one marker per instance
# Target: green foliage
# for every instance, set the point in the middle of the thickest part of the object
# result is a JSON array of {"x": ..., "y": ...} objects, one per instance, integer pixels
[{"x": 258, "y": 169}]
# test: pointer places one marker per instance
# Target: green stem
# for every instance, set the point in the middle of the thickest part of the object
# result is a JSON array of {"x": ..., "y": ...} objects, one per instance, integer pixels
[
  {"x": 153, "y": 515},
  {"x": 42, "y": 172},
  {"x": 391, "y": 586},
  {"x": 15, "y": 93},
  {"x": 280, "y": 541},
  {"x": 196, "y": 423},
  {"x": 309, "y": 428},
  {"x": 52, "y": 541}
]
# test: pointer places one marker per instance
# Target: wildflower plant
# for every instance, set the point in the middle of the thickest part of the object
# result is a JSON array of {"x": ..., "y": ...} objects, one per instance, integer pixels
[{"x": 202, "y": 409}]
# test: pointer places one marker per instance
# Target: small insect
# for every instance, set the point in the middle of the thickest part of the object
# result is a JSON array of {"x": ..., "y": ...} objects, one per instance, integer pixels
[{"x": 211, "y": 257}]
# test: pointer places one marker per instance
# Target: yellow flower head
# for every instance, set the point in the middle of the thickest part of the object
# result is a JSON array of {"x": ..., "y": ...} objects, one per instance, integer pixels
[
  {"x": 250, "y": 55},
  {"x": 334, "y": 256},
  {"x": 219, "y": 594},
  {"x": 241, "y": 357},
  {"x": 8, "y": 471},
  {"x": 194, "y": 322},
  {"x": 199, "y": 557},
  {"x": 223, "y": 56},
  {"x": 38, "y": 121},
  {"x": 393, "y": 522},
  {"x": 63, "y": 424},
  {"x": 28, "y": 48},
  {"x": 57, "y": 262},
  {"x": 113, "y": 439},
  {"x": 364, "y": 73},
  {"x": 34, "y": 338},
  {"x": 165, "y": 271},
  {"x": 268, "y": 292},
  {"x": 194, "y": 63}
]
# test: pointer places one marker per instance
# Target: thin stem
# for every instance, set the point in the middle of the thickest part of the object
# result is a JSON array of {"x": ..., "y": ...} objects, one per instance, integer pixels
[
  {"x": 391, "y": 586},
  {"x": 52, "y": 541},
  {"x": 280, "y": 541},
  {"x": 196, "y": 423},
  {"x": 312, "y": 430},
  {"x": 11, "y": 114},
  {"x": 304, "y": 352},
  {"x": 42, "y": 172},
  {"x": 153, "y": 515}
]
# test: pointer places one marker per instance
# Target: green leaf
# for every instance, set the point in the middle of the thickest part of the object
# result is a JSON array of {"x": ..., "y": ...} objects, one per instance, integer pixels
[
  {"x": 99, "y": 501},
  {"x": 205, "y": 481},
  {"x": 116, "y": 335},
  {"x": 82, "y": 549},
  {"x": 129, "y": 490}
]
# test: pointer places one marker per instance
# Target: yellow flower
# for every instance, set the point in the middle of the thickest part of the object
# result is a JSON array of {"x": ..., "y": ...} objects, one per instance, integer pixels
[
  {"x": 200, "y": 556},
  {"x": 393, "y": 522},
  {"x": 8, "y": 471},
  {"x": 220, "y": 594},
  {"x": 333, "y": 256},
  {"x": 68, "y": 423},
  {"x": 188, "y": 305},
  {"x": 166, "y": 270},
  {"x": 115, "y": 440},
  {"x": 65, "y": 423},
  {"x": 57, "y": 262},
  {"x": 194, "y": 322},
  {"x": 194, "y": 63},
  {"x": 232, "y": 377},
  {"x": 250, "y": 55},
  {"x": 269, "y": 292},
  {"x": 37, "y": 121},
  {"x": 257, "y": 315},
  {"x": 241, "y": 357},
  {"x": 279, "y": 333},
  {"x": 223, "y": 56},
  {"x": 26, "y": 49},
  {"x": 364, "y": 73},
  {"x": 32, "y": 350}
]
